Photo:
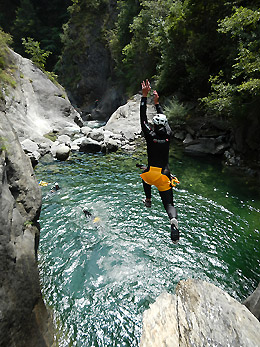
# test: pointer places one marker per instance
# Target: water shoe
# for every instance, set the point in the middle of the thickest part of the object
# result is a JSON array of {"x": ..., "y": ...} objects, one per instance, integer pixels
[
  {"x": 175, "y": 234},
  {"x": 147, "y": 203}
]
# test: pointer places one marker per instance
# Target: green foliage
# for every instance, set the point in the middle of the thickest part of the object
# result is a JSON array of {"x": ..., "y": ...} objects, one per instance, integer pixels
[
  {"x": 198, "y": 50},
  {"x": 79, "y": 33},
  {"x": 27, "y": 223},
  {"x": 3, "y": 142},
  {"x": 26, "y": 21},
  {"x": 241, "y": 23},
  {"x": 136, "y": 40},
  {"x": 94, "y": 6},
  {"x": 173, "y": 42},
  {"x": 40, "y": 20},
  {"x": 177, "y": 113},
  {"x": 36, "y": 54},
  {"x": 236, "y": 91},
  {"x": 6, "y": 77}
]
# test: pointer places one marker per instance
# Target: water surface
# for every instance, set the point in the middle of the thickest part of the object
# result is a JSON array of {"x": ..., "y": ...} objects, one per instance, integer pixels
[{"x": 100, "y": 275}]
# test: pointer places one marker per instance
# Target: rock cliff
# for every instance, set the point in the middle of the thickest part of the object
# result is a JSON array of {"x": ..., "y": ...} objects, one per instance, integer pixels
[
  {"x": 24, "y": 320},
  {"x": 87, "y": 70},
  {"x": 199, "y": 314},
  {"x": 36, "y": 106}
]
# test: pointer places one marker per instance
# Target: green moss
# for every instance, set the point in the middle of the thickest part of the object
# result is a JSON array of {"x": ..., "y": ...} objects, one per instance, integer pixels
[
  {"x": 27, "y": 223},
  {"x": 3, "y": 146},
  {"x": 6, "y": 68},
  {"x": 51, "y": 136}
]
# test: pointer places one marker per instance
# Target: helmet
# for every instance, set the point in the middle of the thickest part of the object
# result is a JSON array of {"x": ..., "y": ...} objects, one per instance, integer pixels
[{"x": 159, "y": 119}]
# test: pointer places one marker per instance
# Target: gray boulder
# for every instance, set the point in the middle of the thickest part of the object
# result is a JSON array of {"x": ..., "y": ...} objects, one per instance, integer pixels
[
  {"x": 206, "y": 145},
  {"x": 90, "y": 146},
  {"x": 62, "y": 152},
  {"x": 110, "y": 145},
  {"x": 32, "y": 150},
  {"x": 64, "y": 139},
  {"x": 70, "y": 130},
  {"x": 126, "y": 119},
  {"x": 188, "y": 139},
  {"x": 97, "y": 135},
  {"x": 199, "y": 314},
  {"x": 86, "y": 130},
  {"x": 29, "y": 146}
]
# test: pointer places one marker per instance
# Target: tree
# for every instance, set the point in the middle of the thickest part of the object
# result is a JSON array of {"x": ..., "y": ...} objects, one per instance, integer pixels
[
  {"x": 236, "y": 91},
  {"x": 37, "y": 55},
  {"x": 25, "y": 24}
]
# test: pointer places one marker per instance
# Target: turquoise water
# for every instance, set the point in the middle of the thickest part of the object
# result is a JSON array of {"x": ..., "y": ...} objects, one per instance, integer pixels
[{"x": 100, "y": 275}]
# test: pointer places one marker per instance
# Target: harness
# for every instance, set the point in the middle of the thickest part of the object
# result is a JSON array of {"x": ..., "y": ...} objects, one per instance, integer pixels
[{"x": 154, "y": 177}]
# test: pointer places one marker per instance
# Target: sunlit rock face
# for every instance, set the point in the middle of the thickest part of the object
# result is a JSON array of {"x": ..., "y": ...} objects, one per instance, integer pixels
[
  {"x": 24, "y": 320},
  {"x": 199, "y": 314},
  {"x": 36, "y": 106}
]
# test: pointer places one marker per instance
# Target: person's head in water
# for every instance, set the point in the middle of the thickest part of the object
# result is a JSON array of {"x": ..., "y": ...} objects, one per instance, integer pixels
[
  {"x": 55, "y": 187},
  {"x": 159, "y": 122},
  {"x": 87, "y": 213}
]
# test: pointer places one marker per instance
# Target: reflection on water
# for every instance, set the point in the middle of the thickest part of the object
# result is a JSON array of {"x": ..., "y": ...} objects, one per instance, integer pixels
[{"x": 99, "y": 276}]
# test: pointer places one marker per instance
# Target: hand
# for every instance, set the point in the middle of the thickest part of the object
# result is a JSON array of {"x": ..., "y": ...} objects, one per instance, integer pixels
[
  {"x": 145, "y": 88},
  {"x": 155, "y": 97}
]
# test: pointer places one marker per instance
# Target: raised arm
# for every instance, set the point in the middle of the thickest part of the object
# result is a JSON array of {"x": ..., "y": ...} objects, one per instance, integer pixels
[
  {"x": 143, "y": 117},
  {"x": 156, "y": 102},
  {"x": 160, "y": 110}
]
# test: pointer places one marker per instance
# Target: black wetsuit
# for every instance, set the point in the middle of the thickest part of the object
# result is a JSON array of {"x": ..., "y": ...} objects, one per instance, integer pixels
[{"x": 158, "y": 143}]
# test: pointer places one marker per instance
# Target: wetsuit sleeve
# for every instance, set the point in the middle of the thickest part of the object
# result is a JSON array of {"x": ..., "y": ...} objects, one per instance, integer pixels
[
  {"x": 143, "y": 116},
  {"x": 158, "y": 108}
]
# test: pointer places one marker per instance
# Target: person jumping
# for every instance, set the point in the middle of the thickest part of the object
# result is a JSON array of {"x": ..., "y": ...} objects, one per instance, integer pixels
[{"x": 157, "y": 173}]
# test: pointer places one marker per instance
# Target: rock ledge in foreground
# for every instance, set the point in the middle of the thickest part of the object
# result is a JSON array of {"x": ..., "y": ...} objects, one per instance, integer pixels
[{"x": 199, "y": 314}]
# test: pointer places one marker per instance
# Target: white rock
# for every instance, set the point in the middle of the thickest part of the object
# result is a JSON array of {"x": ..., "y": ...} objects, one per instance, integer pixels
[
  {"x": 126, "y": 119},
  {"x": 97, "y": 135},
  {"x": 86, "y": 130},
  {"x": 62, "y": 152},
  {"x": 199, "y": 314},
  {"x": 29, "y": 146},
  {"x": 64, "y": 139}
]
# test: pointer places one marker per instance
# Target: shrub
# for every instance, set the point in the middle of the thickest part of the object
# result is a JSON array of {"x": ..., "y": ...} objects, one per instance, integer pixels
[
  {"x": 6, "y": 77},
  {"x": 36, "y": 54},
  {"x": 176, "y": 112}
]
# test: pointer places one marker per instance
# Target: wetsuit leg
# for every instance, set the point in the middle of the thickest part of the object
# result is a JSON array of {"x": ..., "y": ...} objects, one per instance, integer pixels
[
  {"x": 147, "y": 190},
  {"x": 167, "y": 200}
]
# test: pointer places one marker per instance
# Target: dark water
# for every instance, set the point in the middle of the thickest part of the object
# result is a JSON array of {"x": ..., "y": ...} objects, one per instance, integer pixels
[{"x": 100, "y": 275}]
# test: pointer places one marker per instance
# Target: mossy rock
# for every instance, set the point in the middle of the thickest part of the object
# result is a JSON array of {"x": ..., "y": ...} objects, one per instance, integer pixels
[{"x": 51, "y": 136}]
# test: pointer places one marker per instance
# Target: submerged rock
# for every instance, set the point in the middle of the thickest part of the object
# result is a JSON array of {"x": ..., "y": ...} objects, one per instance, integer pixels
[{"x": 199, "y": 314}]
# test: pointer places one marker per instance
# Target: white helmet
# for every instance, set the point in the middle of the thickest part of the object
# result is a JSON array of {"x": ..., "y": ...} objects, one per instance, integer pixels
[{"x": 159, "y": 119}]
